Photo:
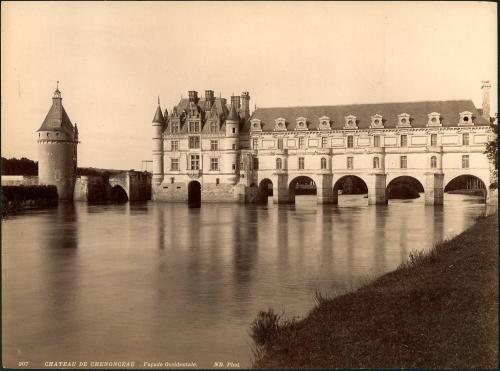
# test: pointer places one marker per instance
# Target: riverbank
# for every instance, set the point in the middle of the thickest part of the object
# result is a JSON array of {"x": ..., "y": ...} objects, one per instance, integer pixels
[
  {"x": 18, "y": 198},
  {"x": 438, "y": 310}
]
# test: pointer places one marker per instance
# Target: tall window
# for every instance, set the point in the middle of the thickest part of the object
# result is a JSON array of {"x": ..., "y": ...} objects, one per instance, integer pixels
[
  {"x": 434, "y": 140},
  {"x": 404, "y": 141},
  {"x": 301, "y": 163},
  {"x": 256, "y": 163},
  {"x": 376, "y": 140},
  {"x": 465, "y": 161},
  {"x": 214, "y": 164},
  {"x": 465, "y": 139},
  {"x": 278, "y": 164},
  {"x": 255, "y": 143},
  {"x": 349, "y": 162},
  {"x": 403, "y": 162},
  {"x": 433, "y": 162},
  {"x": 301, "y": 142},
  {"x": 174, "y": 164},
  {"x": 323, "y": 163},
  {"x": 194, "y": 126},
  {"x": 350, "y": 141},
  {"x": 175, "y": 145},
  {"x": 280, "y": 143},
  {"x": 194, "y": 142},
  {"x": 213, "y": 126},
  {"x": 214, "y": 145},
  {"x": 324, "y": 142},
  {"x": 376, "y": 163},
  {"x": 195, "y": 162}
]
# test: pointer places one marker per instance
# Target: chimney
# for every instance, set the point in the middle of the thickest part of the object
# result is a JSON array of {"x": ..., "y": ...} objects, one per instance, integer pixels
[
  {"x": 485, "y": 89},
  {"x": 235, "y": 99},
  {"x": 245, "y": 105},
  {"x": 193, "y": 96},
  {"x": 209, "y": 97}
]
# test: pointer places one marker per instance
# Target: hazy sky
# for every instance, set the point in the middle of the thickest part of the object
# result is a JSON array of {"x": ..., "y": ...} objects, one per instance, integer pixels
[{"x": 114, "y": 59}]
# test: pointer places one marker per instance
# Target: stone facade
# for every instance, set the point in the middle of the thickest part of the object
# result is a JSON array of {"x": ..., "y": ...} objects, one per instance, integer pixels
[{"x": 231, "y": 153}]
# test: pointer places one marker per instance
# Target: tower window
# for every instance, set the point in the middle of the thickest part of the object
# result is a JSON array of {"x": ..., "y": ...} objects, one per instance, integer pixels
[
  {"x": 349, "y": 162},
  {"x": 376, "y": 140},
  {"x": 433, "y": 162},
  {"x": 278, "y": 164},
  {"x": 434, "y": 140},
  {"x": 172, "y": 180},
  {"x": 324, "y": 142},
  {"x": 217, "y": 181},
  {"x": 280, "y": 143},
  {"x": 233, "y": 146},
  {"x": 323, "y": 163},
  {"x": 465, "y": 139},
  {"x": 301, "y": 163},
  {"x": 404, "y": 141},
  {"x": 350, "y": 141},
  {"x": 301, "y": 142},
  {"x": 234, "y": 130},
  {"x": 403, "y": 162}
]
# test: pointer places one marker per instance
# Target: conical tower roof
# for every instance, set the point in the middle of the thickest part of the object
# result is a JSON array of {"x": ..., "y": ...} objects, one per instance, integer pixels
[
  {"x": 57, "y": 119},
  {"x": 233, "y": 115},
  {"x": 159, "y": 116}
]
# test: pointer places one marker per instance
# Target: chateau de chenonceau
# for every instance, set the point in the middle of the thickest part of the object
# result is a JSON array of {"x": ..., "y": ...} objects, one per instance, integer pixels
[{"x": 209, "y": 150}]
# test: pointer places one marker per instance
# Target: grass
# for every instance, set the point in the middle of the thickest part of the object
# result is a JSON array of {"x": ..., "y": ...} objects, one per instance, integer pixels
[{"x": 437, "y": 310}]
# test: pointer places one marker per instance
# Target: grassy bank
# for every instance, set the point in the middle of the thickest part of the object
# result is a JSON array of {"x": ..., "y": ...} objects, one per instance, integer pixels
[{"x": 438, "y": 310}]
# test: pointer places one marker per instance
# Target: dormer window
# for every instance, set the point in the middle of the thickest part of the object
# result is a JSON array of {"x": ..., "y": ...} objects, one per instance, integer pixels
[
  {"x": 255, "y": 125},
  {"x": 434, "y": 119},
  {"x": 466, "y": 118},
  {"x": 350, "y": 122},
  {"x": 280, "y": 124},
  {"x": 301, "y": 123},
  {"x": 324, "y": 123},
  {"x": 377, "y": 121},
  {"x": 404, "y": 120}
]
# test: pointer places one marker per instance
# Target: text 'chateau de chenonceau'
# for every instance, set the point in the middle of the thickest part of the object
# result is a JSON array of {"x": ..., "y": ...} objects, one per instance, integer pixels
[{"x": 209, "y": 150}]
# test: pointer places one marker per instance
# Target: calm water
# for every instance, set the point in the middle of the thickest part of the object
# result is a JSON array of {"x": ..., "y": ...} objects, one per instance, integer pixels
[{"x": 161, "y": 282}]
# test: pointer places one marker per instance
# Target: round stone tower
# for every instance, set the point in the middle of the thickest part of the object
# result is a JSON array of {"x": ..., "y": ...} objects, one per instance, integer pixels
[
  {"x": 57, "y": 150},
  {"x": 158, "y": 127}
]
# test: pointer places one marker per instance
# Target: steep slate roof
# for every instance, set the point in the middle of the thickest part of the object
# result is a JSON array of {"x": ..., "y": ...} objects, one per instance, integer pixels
[
  {"x": 57, "y": 119},
  {"x": 233, "y": 115},
  {"x": 159, "y": 116},
  {"x": 203, "y": 104},
  {"x": 418, "y": 111}
]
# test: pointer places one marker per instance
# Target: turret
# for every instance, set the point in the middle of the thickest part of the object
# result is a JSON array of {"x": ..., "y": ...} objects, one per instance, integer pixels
[
  {"x": 57, "y": 149},
  {"x": 485, "y": 89},
  {"x": 233, "y": 118},
  {"x": 158, "y": 127}
]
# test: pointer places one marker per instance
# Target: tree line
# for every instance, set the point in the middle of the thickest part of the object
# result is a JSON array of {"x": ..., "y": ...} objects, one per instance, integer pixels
[{"x": 22, "y": 166}]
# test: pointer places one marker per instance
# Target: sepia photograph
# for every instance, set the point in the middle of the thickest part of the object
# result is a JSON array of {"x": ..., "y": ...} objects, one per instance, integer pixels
[{"x": 240, "y": 185}]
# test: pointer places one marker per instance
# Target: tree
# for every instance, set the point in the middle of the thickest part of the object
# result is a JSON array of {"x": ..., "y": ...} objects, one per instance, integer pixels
[{"x": 492, "y": 146}]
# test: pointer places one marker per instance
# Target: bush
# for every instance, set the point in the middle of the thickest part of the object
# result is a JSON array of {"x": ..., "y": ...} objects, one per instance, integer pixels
[{"x": 265, "y": 327}]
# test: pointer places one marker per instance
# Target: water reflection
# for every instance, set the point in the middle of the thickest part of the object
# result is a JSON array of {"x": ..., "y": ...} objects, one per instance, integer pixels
[{"x": 156, "y": 281}]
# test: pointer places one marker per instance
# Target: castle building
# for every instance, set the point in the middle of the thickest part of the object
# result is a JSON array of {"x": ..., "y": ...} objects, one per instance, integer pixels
[
  {"x": 57, "y": 149},
  {"x": 206, "y": 150}
]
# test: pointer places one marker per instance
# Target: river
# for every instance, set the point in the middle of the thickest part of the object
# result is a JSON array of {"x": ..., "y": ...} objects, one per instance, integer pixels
[{"x": 165, "y": 283}]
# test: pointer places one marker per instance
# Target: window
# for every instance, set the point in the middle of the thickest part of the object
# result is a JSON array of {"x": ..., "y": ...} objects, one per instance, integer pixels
[
  {"x": 301, "y": 142},
  {"x": 194, "y": 142},
  {"x": 301, "y": 163},
  {"x": 349, "y": 162},
  {"x": 465, "y": 139},
  {"x": 217, "y": 181},
  {"x": 350, "y": 141},
  {"x": 404, "y": 141},
  {"x": 280, "y": 143},
  {"x": 376, "y": 163},
  {"x": 234, "y": 166},
  {"x": 465, "y": 161},
  {"x": 214, "y": 164},
  {"x": 324, "y": 142},
  {"x": 256, "y": 164},
  {"x": 403, "y": 162},
  {"x": 214, "y": 145},
  {"x": 195, "y": 162},
  {"x": 174, "y": 164},
  {"x": 175, "y": 145},
  {"x": 433, "y": 162},
  {"x": 175, "y": 127},
  {"x": 234, "y": 130},
  {"x": 194, "y": 126},
  {"x": 172, "y": 180},
  {"x": 255, "y": 142},
  {"x": 233, "y": 146},
  {"x": 213, "y": 126},
  {"x": 278, "y": 164},
  {"x": 434, "y": 140},
  {"x": 376, "y": 140},
  {"x": 323, "y": 163}
]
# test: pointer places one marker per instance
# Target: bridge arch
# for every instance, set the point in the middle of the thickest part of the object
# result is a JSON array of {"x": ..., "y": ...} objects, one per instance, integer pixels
[
  {"x": 404, "y": 187},
  {"x": 264, "y": 190},
  {"x": 350, "y": 184},
  {"x": 301, "y": 185},
  {"x": 467, "y": 184},
  {"x": 194, "y": 194},
  {"x": 118, "y": 194}
]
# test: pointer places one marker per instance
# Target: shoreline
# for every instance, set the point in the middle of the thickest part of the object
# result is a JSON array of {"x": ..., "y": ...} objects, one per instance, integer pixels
[{"x": 437, "y": 310}]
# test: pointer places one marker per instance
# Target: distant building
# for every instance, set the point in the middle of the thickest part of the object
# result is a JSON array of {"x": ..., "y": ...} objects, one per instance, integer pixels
[
  {"x": 57, "y": 149},
  {"x": 217, "y": 152}
]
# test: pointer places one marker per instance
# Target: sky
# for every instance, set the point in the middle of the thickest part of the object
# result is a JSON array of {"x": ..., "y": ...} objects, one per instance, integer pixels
[{"x": 113, "y": 60}]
